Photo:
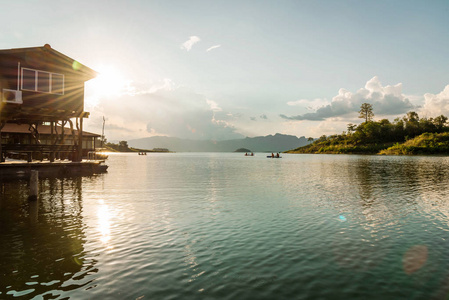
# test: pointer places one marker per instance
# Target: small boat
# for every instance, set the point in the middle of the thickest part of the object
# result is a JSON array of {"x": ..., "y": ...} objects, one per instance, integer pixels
[{"x": 269, "y": 156}]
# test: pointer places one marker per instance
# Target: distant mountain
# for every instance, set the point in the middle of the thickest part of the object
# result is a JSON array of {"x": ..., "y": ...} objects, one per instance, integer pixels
[{"x": 270, "y": 143}]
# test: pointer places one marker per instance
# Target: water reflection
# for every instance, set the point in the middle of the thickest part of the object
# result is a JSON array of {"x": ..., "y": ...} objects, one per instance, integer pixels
[
  {"x": 386, "y": 224},
  {"x": 42, "y": 242},
  {"x": 220, "y": 226},
  {"x": 104, "y": 223}
]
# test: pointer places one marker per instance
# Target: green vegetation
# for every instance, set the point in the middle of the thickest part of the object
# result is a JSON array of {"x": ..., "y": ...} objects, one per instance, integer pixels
[
  {"x": 407, "y": 135},
  {"x": 426, "y": 143},
  {"x": 122, "y": 146},
  {"x": 243, "y": 150}
]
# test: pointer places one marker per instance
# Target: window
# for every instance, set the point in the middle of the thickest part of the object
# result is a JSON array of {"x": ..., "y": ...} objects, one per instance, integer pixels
[
  {"x": 57, "y": 83},
  {"x": 28, "y": 79},
  {"x": 42, "y": 81}
]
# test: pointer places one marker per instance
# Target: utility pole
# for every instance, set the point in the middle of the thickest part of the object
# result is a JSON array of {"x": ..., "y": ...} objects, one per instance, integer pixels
[{"x": 102, "y": 133}]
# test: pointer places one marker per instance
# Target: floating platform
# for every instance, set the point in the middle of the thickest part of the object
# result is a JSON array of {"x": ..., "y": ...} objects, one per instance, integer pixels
[{"x": 14, "y": 168}]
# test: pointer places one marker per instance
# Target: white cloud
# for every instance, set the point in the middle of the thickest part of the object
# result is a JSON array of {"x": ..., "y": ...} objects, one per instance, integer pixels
[
  {"x": 164, "y": 109},
  {"x": 213, "y": 47},
  {"x": 309, "y": 104},
  {"x": 213, "y": 105},
  {"x": 438, "y": 104},
  {"x": 187, "y": 45},
  {"x": 167, "y": 84},
  {"x": 386, "y": 100}
]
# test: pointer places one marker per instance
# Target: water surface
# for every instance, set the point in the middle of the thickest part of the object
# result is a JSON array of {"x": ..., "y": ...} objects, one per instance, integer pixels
[{"x": 226, "y": 226}]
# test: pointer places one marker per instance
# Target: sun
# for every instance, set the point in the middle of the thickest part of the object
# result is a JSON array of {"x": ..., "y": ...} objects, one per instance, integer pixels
[{"x": 109, "y": 82}]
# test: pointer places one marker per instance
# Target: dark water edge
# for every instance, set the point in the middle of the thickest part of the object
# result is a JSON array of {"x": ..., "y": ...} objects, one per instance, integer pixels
[
  {"x": 223, "y": 227},
  {"x": 41, "y": 241}
]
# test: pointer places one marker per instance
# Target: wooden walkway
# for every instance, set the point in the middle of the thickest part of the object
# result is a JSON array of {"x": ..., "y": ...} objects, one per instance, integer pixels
[{"x": 16, "y": 168}]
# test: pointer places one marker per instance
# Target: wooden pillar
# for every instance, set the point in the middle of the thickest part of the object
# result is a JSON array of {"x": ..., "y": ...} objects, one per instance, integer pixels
[
  {"x": 80, "y": 140},
  {"x": 34, "y": 188},
  {"x": 52, "y": 152},
  {"x": 2, "y": 157},
  {"x": 33, "y": 211}
]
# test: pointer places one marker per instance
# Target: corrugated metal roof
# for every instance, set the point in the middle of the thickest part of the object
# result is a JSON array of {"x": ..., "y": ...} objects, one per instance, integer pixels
[{"x": 86, "y": 70}]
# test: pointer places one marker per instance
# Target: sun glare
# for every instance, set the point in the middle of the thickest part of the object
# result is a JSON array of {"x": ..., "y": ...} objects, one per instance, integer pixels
[
  {"x": 109, "y": 82},
  {"x": 104, "y": 223}
]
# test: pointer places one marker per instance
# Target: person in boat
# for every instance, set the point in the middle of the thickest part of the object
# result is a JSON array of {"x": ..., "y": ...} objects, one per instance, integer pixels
[
  {"x": 272, "y": 154},
  {"x": 246, "y": 154},
  {"x": 252, "y": 154},
  {"x": 277, "y": 155}
]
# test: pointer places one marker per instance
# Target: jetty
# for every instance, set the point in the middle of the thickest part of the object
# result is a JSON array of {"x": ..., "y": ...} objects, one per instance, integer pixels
[
  {"x": 42, "y": 113},
  {"x": 51, "y": 169}
]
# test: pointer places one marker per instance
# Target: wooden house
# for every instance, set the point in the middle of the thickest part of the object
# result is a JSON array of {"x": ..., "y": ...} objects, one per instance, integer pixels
[
  {"x": 15, "y": 135},
  {"x": 40, "y": 85}
]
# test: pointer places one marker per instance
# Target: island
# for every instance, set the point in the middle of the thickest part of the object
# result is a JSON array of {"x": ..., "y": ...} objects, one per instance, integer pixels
[
  {"x": 123, "y": 146},
  {"x": 243, "y": 150},
  {"x": 408, "y": 135}
]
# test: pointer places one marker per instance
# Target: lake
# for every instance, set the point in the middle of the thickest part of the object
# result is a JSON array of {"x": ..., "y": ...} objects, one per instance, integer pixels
[{"x": 226, "y": 226}]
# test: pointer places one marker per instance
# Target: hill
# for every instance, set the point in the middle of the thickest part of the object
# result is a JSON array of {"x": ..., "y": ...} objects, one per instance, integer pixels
[
  {"x": 270, "y": 143},
  {"x": 426, "y": 143},
  {"x": 408, "y": 135}
]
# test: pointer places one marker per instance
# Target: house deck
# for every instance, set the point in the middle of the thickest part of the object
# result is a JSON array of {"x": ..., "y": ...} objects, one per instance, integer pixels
[{"x": 14, "y": 168}]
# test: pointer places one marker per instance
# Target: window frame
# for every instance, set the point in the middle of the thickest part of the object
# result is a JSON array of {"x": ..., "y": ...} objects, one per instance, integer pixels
[{"x": 36, "y": 81}]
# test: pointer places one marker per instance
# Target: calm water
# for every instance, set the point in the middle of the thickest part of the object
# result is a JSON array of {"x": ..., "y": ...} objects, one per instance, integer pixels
[{"x": 225, "y": 226}]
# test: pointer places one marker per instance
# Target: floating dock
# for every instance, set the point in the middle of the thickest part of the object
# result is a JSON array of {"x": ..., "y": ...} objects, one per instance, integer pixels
[{"x": 56, "y": 168}]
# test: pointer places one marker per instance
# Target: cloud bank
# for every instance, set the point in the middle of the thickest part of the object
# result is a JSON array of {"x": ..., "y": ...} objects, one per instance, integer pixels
[
  {"x": 187, "y": 45},
  {"x": 438, "y": 104},
  {"x": 164, "y": 109},
  {"x": 386, "y": 100}
]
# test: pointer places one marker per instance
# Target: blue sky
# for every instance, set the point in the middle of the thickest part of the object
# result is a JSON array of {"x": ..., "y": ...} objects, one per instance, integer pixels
[{"x": 229, "y": 69}]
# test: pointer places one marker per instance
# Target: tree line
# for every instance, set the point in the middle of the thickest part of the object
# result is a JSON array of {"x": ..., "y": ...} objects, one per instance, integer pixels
[
  {"x": 122, "y": 146},
  {"x": 372, "y": 136}
]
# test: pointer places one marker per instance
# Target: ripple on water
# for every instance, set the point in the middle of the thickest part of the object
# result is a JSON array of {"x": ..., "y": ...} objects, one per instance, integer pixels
[{"x": 188, "y": 226}]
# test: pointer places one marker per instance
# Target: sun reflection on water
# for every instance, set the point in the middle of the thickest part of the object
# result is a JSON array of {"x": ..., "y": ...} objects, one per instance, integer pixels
[{"x": 104, "y": 223}]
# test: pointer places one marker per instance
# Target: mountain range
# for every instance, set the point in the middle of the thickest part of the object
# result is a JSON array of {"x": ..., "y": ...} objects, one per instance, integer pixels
[{"x": 270, "y": 143}]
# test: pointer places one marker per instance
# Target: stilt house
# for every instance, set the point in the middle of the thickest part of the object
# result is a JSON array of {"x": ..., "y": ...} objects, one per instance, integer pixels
[{"x": 41, "y": 86}]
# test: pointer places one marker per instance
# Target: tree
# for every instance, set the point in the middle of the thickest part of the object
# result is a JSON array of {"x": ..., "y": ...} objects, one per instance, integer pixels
[
  {"x": 310, "y": 139},
  {"x": 366, "y": 112},
  {"x": 412, "y": 124},
  {"x": 351, "y": 128},
  {"x": 440, "y": 121},
  {"x": 412, "y": 117},
  {"x": 123, "y": 146}
]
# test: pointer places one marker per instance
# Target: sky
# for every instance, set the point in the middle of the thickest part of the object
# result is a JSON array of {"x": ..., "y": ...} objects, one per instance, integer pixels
[{"x": 231, "y": 69}]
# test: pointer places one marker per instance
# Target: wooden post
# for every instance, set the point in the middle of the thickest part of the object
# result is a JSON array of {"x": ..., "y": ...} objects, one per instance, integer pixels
[
  {"x": 34, "y": 211},
  {"x": 80, "y": 140},
  {"x": 2, "y": 156},
  {"x": 34, "y": 187},
  {"x": 52, "y": 144},
  {"x": 1, "y": 152}
]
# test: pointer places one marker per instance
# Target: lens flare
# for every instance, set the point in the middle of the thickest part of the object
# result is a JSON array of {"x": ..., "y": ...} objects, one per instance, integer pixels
[{"x": 415, "y": 258}]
